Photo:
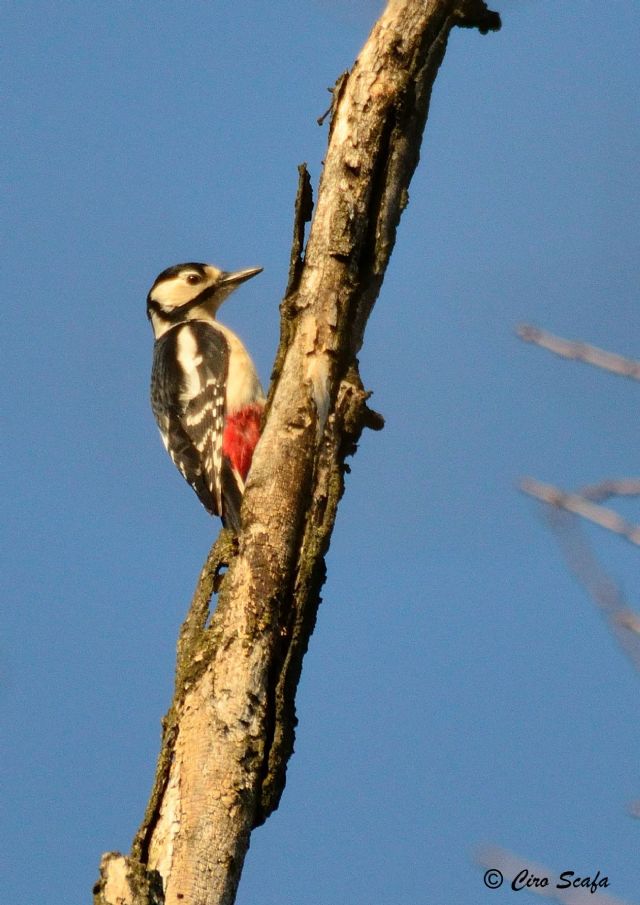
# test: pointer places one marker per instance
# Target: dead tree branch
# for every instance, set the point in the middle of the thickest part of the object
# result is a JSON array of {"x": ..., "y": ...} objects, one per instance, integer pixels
[
  {"x": 622, "y": 620},
  {"x": 230, "y": 730},
  {"x": 579, "y": 351},
  {"x": 612, "y": 487},
  {"x": 580, "y": 505},
  {"x": 563, "y": 507}
]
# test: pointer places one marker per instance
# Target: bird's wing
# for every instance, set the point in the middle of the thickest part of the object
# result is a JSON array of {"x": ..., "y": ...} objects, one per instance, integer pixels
[{"x": 188, "y": 400}]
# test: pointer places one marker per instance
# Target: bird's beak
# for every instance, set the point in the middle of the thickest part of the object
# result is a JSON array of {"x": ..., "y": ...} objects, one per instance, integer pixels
[{"x": 234, "y": 278}]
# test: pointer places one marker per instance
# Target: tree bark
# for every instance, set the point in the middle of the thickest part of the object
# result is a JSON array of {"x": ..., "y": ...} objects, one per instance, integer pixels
[{"x": 230, "y": 729}]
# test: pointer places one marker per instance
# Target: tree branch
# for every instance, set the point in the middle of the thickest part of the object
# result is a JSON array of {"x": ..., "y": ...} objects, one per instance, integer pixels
[
  {"x": 579, "y": 351},
  {"x": 621, "y": 619},
  {"x": 229, "y": 733},
  {"x": 580, "y": 505}
]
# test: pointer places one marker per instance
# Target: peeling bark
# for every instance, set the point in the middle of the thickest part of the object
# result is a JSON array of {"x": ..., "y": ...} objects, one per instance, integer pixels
[{"x": 230, "y": 730}]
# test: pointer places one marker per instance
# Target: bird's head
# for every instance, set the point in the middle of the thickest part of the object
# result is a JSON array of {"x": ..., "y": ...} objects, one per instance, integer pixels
[{"x": 189, "y": 292}]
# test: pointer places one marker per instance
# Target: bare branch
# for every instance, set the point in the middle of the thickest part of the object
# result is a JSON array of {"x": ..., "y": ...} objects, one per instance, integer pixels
[
  {"x": 579, "y": 351},
  {"x": 606, "y": 594},
  {"x": 604, "y": 490},
  {"x": 579, "y": 505},
  {"x": 622, "y": 620},
  {"x": 124, "y": 881}
]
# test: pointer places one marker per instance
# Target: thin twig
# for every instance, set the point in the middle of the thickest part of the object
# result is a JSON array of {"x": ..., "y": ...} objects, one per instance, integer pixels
[
  {"x": 579, "y": 505},
  {"x": 579, "y": 351},
  {"x": 604, "y": 490},
  {"x": 623, "y": 622}
]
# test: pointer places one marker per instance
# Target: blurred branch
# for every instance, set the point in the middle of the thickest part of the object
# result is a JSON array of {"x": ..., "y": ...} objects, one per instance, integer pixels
[
  {"x": 579, "y": 351},
  {"x": 582, "y": 562},
  {"x": 580, "y": 505},
  {"x": 563, "y": 508},
  {"x": 230, "y": 731},
  {"x": 634, "y": 809},
  {"x": 604, "y": 490}
]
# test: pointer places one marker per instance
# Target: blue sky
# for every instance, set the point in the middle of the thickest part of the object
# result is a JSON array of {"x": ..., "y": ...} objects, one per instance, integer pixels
[{"x": 459, "y": 688}]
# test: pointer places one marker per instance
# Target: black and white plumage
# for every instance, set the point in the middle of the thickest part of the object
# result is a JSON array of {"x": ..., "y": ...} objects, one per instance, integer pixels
[{"x": 205, "y": 392}]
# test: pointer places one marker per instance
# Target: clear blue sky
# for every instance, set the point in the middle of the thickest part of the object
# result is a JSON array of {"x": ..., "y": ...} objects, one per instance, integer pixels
[{"x": 459, "y": 688}]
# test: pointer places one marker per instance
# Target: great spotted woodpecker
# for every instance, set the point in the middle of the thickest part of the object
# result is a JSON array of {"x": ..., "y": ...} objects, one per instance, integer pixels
[{"x": 205, "y": 392}]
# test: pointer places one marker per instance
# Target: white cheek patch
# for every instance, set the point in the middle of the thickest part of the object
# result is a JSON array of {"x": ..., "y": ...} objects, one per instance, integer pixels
[{"x": 175, "y": 292}]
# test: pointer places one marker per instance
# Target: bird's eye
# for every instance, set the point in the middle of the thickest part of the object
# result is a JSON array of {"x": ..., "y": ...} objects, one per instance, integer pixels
[{"x": 194, "y": 279}]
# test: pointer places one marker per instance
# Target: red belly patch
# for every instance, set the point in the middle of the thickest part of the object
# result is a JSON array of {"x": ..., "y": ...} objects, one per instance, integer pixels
[{"x": 241, "y": 433}]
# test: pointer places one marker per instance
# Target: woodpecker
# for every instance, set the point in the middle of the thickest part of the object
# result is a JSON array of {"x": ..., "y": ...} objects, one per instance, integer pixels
[{"x": 205, "y": 392}]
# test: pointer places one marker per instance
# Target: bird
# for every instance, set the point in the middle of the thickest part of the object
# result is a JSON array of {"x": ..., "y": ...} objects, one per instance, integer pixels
[{"x": 205, "y": 392}]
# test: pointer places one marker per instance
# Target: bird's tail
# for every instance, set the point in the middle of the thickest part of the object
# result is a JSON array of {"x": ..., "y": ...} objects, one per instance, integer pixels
[{"x": 231, "y": 497}]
